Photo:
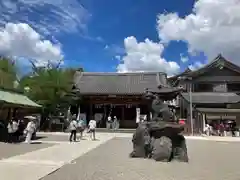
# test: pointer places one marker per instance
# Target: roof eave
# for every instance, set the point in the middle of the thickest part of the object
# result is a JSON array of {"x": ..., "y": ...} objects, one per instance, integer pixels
[
  {"x": 219, "y": 58},
  {"x": 108, "y": 94}
]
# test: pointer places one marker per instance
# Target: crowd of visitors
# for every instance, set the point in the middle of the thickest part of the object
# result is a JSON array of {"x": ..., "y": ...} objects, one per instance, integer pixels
[
  {"x": 16, "y": 130},
  {"x": 80, "y": 126},
  {"x": 220, "y": 129},
  {"x": 112, "y": 123}
]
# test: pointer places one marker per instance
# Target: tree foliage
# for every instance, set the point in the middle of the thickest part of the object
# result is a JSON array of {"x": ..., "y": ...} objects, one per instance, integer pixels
[
  {"x": 49, "y": 86},
  {"x": 8, "y": 73}
]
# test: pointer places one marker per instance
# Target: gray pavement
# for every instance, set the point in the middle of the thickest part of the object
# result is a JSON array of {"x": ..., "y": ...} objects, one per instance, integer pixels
[
  {"x": 44, "y": 138},
  {"x": 37, "y": 164},
  {"x": 9, "y": 150},
  {"x": 209, "y": 160}
]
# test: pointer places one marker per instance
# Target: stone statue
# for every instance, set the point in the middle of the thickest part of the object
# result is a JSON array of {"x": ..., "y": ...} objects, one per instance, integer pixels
[
  {"x": 160, "y": 138},
  {"x": 159, "y": 109}
]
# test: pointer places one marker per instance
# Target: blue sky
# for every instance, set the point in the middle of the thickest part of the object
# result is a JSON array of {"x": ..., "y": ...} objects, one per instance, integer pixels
[
  {"x": 112, "y": 21},
  {"x": 126, "y": 35}
]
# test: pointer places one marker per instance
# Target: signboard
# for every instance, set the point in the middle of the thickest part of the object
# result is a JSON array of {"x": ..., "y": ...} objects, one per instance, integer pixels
[
  {"x": 212, "y": 117},
  {"x": 137, "y": 115}
]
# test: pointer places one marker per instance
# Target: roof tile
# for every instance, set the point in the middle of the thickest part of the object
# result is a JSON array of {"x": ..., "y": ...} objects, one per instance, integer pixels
[{"x": 119, "y": 83}]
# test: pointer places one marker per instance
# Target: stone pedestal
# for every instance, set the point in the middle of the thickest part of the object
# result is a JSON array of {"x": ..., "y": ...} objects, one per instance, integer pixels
[{"x": 163, "y": 139}]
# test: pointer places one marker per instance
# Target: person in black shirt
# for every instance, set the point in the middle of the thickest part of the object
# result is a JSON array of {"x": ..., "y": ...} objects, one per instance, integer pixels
[{"x": 233, "y": 128}]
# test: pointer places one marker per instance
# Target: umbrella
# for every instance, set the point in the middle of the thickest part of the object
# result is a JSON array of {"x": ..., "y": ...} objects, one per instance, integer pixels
[{"x": 30, "y": 117}]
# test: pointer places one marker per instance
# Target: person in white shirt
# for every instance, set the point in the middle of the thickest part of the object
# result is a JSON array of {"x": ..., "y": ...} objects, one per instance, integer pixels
[
  {"x": 30, "y": 129},
  {"x": 109, "y": 122},
  {"x": 115, "y": 123},
  {"x": 92, "y": 128},
  {"x": 207, "y": 129},
  {"x": 10, "y": 138},
  {"x": 81, "y": 127},
  {"x": 73, "y": 130}
]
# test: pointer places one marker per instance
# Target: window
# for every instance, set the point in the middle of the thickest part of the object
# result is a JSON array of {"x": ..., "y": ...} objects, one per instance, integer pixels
[
  {"x": 233, "y": 87},
  {"x": 220, "y": 87},
  {"x": 203, "y": 87}
]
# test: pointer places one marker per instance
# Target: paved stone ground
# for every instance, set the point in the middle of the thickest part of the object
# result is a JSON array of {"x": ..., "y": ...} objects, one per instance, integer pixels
[
  {"x": 37, "y": 164},
  {"x": 9, "y": 150},
  {"x": 44, "y": 138},
  {"x": 64, "y": 137},
  {"x": 209, "y": 160}
]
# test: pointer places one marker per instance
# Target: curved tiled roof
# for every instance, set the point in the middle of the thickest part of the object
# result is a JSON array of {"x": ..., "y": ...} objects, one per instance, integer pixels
[{"x": 120, "y": 83}]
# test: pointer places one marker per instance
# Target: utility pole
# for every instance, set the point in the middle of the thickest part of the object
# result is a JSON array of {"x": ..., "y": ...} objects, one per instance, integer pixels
[
  {"x": 191, "y": 108},
  {"x": 189, "y": 79}
]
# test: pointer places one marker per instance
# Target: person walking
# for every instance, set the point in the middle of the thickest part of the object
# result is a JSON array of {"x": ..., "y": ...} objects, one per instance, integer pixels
[
  {"x": 109, "y": 122},
  {"x": 73, "y": 130},
  {"x": 15, "y": 130},
  {"x": 20, "y": 131},
  {"x": 222, "y": 129},
  {"x": 10, "y": 132},
  {"x": 92, "y": 129},
  {"x": 30, "y": 129},
  {"x": 81, "y": 127},
  {"x": 207, "y": 130},
  {"x": 233, "y": 128},
  {"x": 115, "y": 123}
]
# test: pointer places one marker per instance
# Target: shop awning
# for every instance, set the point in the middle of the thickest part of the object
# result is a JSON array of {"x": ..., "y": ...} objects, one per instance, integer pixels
[
  {"x": 218, "y": 110},
  {"x": 17, "y": 99}
]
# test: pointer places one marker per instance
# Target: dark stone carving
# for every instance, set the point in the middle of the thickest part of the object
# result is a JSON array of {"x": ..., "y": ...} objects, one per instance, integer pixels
[
  {"x": 162, "y": 149},
  {"x": 138, "y": 141},
  {"x": 159, "y": 138},
  {"x": 158, "y": 108}
]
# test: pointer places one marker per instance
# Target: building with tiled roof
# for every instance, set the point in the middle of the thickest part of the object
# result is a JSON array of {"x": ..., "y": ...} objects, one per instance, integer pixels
[
  {"x": 215, "y": 88},
  {"x": 119, "y": 94}
]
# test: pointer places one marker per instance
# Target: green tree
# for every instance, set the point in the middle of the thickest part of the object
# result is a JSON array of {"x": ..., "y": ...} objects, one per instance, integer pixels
[
  {"x": 49, "y": 86},
  {"x": 8, "y": 73}
]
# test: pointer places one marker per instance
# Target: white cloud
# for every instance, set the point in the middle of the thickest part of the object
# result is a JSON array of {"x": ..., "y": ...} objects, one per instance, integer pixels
[
  {"x": 145, "y": 56},
  {"x": 212, "y": 28},
  {"x": 184, "y": 58},
  {"x": 46, "y": 16},
  {"x": 118, "y": 57},
  {"x": 196, "y": 65},
  {"x": 20, "y": 40}
]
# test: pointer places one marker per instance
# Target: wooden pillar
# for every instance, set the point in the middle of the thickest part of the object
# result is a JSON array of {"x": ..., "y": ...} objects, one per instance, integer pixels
[
  {"x": 91, "y": 111},
  {"x": 104, "y": 119},
  {"x": 122, "y": 119},
  {"x": 204, "y": 121},
  {"x": 10, "y": 113}
]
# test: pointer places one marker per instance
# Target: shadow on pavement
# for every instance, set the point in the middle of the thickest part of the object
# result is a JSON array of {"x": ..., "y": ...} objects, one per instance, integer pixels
[
  {"x": 36, "y": 142},
  {"x": 39, "y": 137}
]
